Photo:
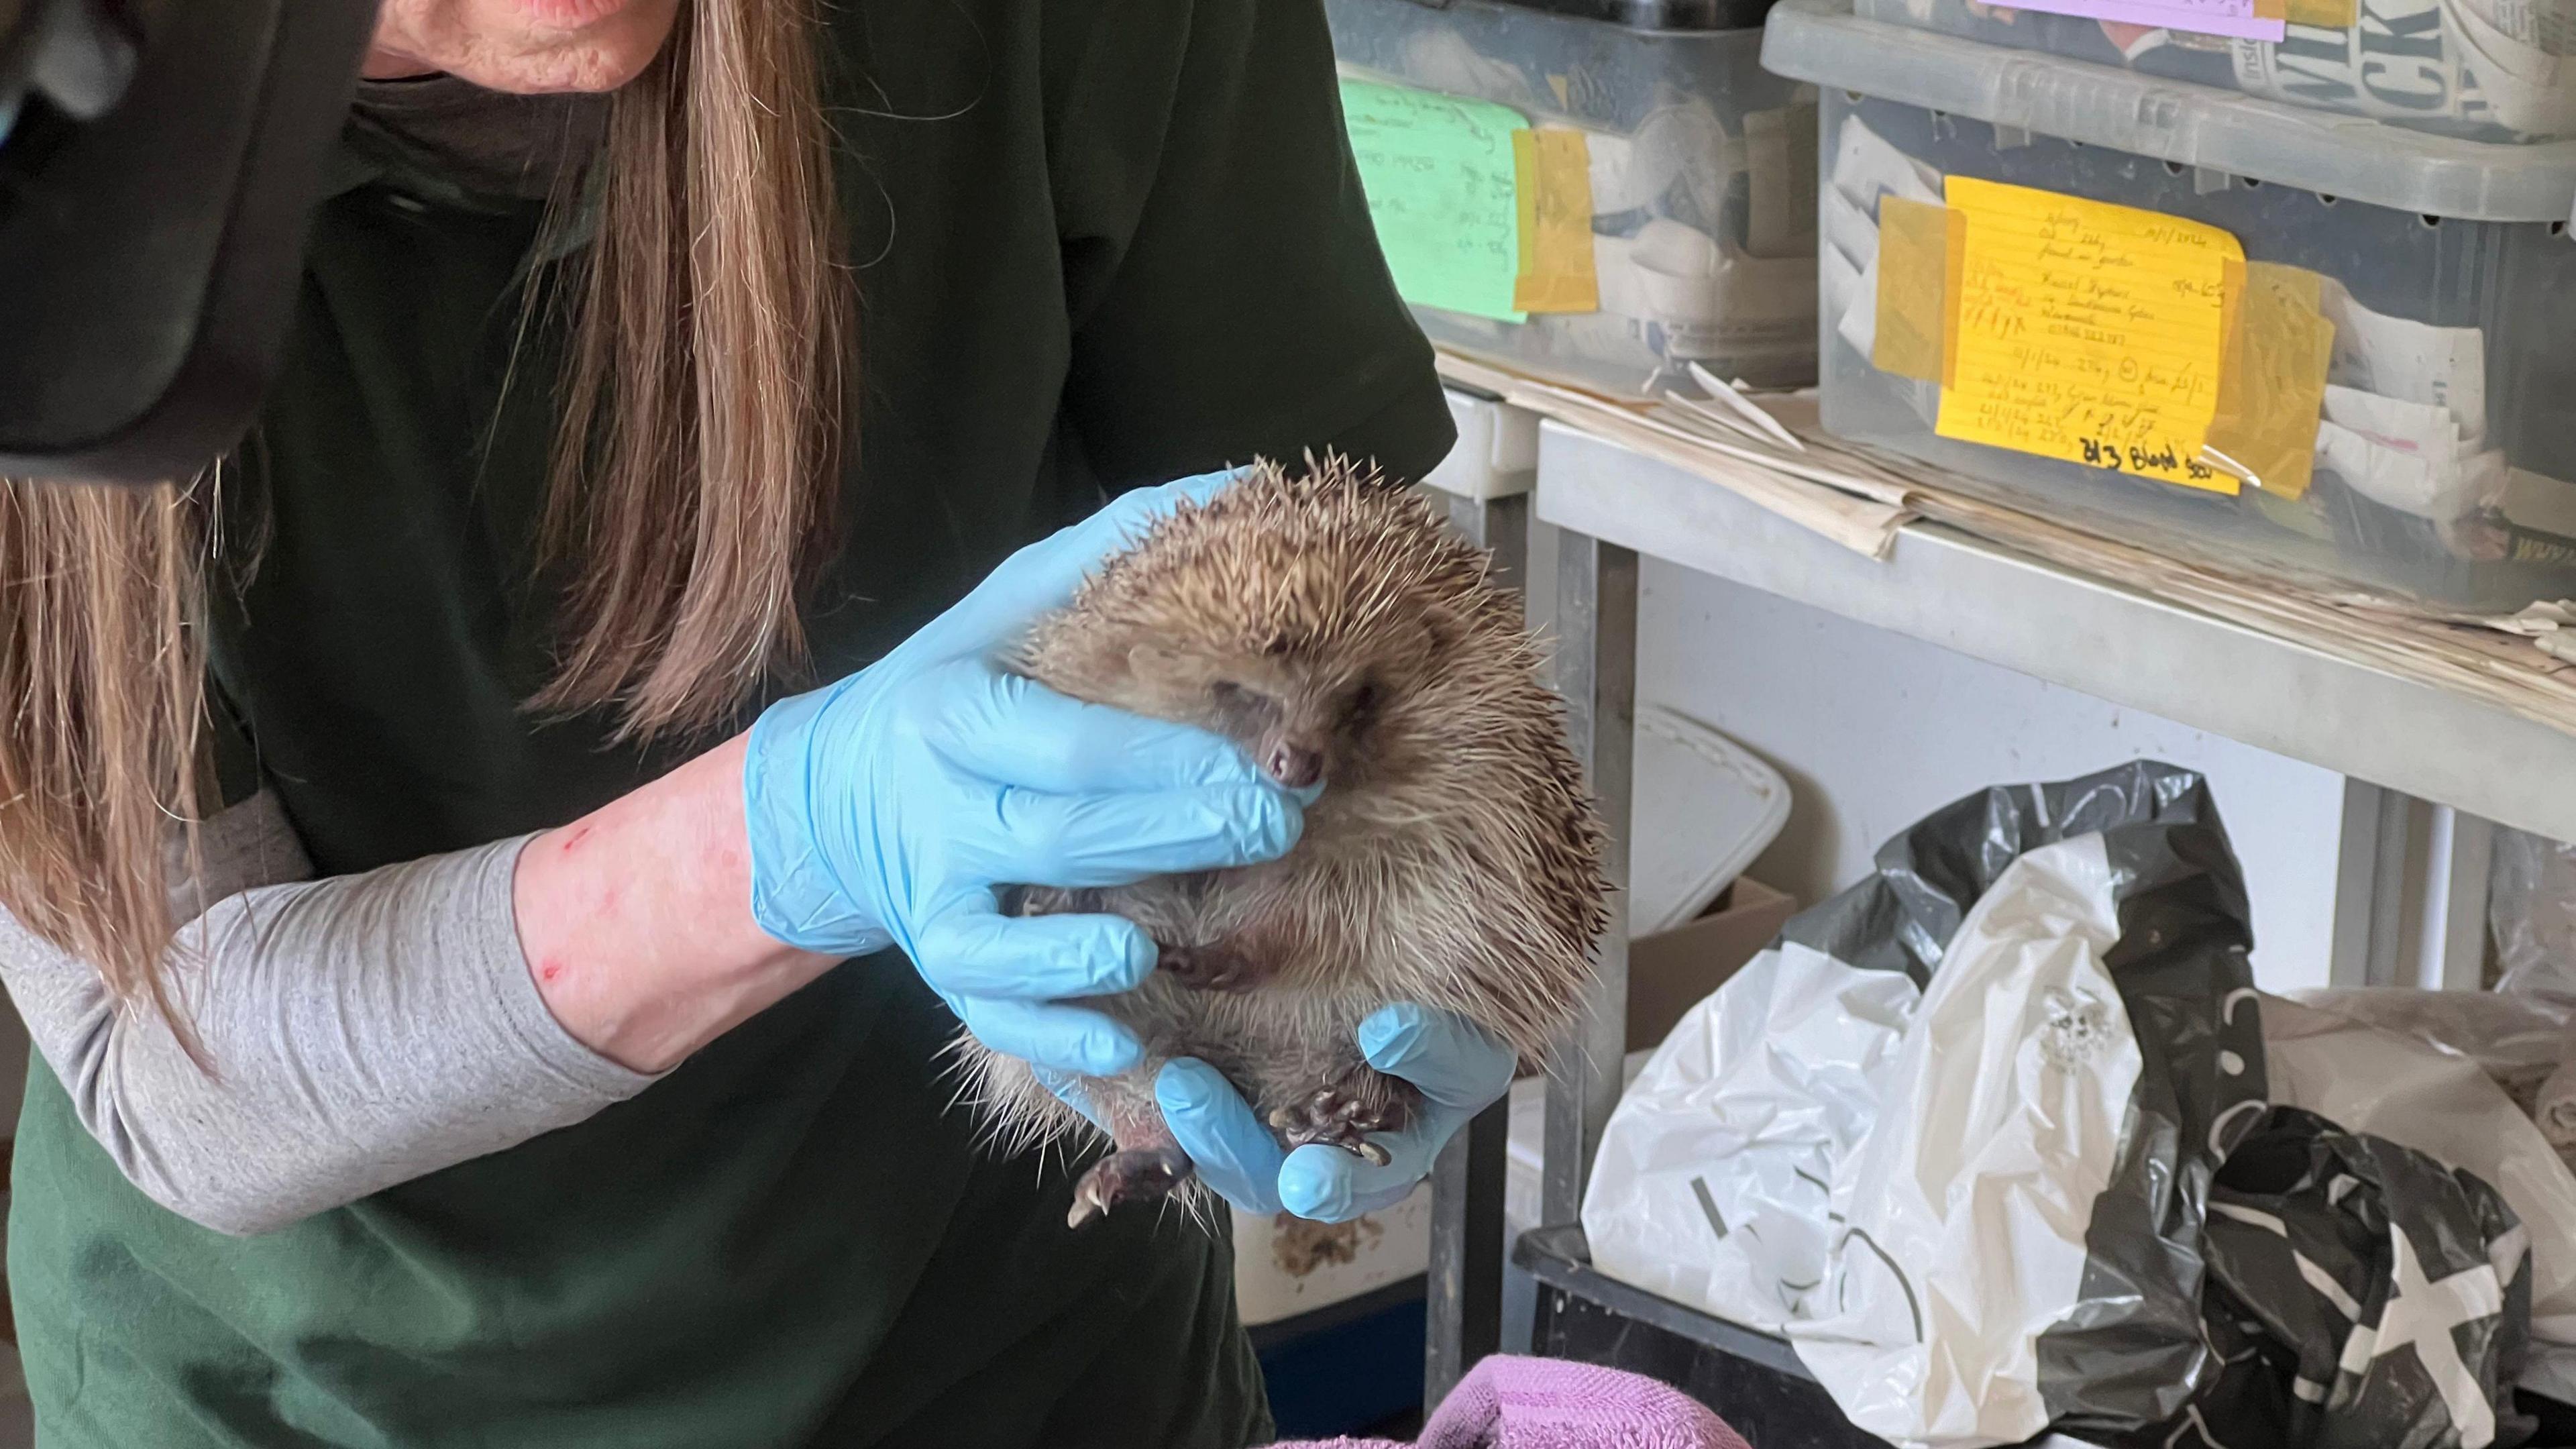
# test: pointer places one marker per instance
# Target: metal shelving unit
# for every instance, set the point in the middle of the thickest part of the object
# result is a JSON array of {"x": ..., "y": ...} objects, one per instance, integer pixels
[{"x": 2403, "y": 746}]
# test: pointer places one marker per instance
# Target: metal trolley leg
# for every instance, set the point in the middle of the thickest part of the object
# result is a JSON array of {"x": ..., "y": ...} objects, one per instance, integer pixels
[
  {"x": 1465, "y": 1292},
  {"x": 1596, "y": 670},
  {"x": 1499, "y": 524}
]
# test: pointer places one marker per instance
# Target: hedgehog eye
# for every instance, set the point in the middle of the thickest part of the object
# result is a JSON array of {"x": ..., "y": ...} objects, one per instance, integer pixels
[
  {"x": 1245, "y": 706},
  {"x": 1363, "y": 702}
]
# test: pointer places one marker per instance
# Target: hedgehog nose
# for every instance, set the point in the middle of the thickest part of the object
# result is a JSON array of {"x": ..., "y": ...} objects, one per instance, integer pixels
[{"x": 1294, "y": 765}]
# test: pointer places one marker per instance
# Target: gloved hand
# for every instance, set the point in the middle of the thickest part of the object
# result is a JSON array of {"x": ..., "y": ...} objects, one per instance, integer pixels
[
  {"x": 1458, "y": 1068},
  {"x": 886, "y": 808}
]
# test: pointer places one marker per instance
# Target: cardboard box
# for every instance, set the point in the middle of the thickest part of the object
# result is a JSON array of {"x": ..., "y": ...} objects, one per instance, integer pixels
[{"x": 1672, "y": 971}]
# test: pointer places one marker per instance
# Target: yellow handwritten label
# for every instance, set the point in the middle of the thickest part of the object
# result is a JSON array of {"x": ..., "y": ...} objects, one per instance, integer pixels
[
  {"x": 1552, "y": 169},
  {"x": 2087, "y": 332},
  {"x": 2324, "y": 14}
]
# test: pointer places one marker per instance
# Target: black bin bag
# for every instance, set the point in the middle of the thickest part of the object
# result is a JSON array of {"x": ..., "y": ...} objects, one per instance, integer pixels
[{"x": 2361, "y": 1296}]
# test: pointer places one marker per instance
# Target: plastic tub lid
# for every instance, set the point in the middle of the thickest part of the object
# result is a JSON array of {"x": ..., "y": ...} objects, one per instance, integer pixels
[
  {"x": 2344, "y": 156},
  {"x": 1705, "y": 807},
  {"x": 1676, "y": 15}
]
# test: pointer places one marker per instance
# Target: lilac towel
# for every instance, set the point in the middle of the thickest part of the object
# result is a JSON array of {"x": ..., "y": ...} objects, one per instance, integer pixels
[{"x": 1544, "y": 1403}]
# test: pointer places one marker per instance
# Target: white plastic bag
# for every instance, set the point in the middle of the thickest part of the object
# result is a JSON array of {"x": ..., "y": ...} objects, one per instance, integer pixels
[
  {"x": 1712, "y": 1182},
  {"x": 1965, "y": 1211}
]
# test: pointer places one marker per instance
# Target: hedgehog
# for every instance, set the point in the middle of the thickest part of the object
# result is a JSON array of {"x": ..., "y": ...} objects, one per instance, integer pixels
[{"x": 1331, "y": 626}]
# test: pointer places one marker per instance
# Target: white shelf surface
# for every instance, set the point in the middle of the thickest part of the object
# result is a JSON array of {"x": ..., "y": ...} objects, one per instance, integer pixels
[{"x": 2085, "y": 633}]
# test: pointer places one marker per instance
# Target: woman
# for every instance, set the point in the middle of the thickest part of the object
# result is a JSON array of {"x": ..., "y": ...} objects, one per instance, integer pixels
[{"x": 499, "y": 1086}]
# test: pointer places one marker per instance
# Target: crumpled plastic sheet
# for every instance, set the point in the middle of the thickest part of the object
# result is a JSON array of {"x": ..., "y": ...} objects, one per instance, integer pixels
[
  {"x": 1955, "y": 1136},
  {"x": 2362, "y": 1295},
  {"x": 2531, "y": 911},
  {"x": 2456, "y": 1074}
]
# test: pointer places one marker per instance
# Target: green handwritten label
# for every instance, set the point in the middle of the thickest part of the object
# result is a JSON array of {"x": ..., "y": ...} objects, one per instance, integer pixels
[{"x": 1441, "y": 187}]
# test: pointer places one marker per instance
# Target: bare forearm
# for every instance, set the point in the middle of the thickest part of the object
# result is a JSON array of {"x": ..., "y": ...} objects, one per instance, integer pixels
[
  {"x": 364, "y": 1030},
  {"x": 368, "y": 1029},
  {"x": 636, "y": 919}
]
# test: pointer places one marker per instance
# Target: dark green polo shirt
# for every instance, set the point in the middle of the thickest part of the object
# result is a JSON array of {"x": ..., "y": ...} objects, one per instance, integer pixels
[{"x": 1101, "y": 243}]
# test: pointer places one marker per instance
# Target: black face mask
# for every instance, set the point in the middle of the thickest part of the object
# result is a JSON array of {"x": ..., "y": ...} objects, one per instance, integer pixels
[{"x": 159, "y": 164}]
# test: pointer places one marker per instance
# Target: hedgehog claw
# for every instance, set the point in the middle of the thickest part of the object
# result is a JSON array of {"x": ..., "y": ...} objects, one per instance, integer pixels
[
  {"x": 1209, "y": 968},
  {"x": 1343, "y": 1115},
  {"x": 1135, "y": 1174}
]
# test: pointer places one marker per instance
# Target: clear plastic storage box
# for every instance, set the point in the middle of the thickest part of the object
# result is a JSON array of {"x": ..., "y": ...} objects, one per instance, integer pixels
[
  {"x": 1664, "y": 183},
  {"x": 2487, "y": 70},
  {"x": 2223, "y": 328}
]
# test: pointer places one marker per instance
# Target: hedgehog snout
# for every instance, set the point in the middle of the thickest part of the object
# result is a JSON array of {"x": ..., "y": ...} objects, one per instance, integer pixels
[{"x": 1293, "y": 764}]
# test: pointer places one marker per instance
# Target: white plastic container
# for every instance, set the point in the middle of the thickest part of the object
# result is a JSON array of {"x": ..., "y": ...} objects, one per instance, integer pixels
[
  {"x": 2475, "y": 69},
  {"x": 2443, "y": 444},
  {"x": 1697, "y": 172},
  {"x": 1497, "y": 451},
  {"x": 1708, "y": 807},
  {"x": 1285, "y": 1265}
]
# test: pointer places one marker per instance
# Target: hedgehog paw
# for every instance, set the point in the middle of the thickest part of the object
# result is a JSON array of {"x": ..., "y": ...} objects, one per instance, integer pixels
[
  {"x": 1027, "y": 900},
  {"x": 1210, "y": 968},
  {"x": 1343, "y": 1114},
  {"x": 1135, "y": 1175}
]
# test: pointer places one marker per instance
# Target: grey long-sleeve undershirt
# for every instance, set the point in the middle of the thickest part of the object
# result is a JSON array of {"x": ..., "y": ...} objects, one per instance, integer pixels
[{"x": 365, "y": 1030}]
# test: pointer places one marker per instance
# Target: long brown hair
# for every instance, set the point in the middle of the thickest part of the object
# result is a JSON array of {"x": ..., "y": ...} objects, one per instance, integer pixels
[{"x": 696, "y": 461}]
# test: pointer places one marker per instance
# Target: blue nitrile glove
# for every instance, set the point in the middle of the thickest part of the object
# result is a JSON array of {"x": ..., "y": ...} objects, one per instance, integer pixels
[
  {"x": 1458, "y": 1068},
  {"x": 886, "y": 808}
]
